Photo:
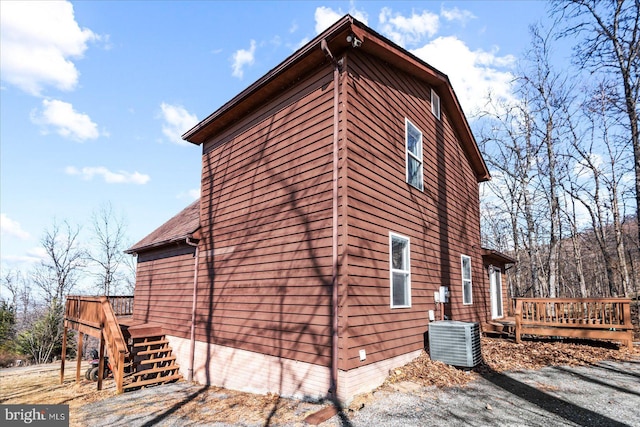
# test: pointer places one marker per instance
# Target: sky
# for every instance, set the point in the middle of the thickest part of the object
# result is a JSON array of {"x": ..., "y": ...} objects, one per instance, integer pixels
[{"x": 94, "y": 95}]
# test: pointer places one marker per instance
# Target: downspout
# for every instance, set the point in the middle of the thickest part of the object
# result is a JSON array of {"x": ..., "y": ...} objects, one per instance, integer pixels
[
  {"x": 334, "y": 252},
  {"x": 192, "y": 346}
]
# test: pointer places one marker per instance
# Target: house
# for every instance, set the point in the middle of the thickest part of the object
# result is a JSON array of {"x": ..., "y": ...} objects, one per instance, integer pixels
[{"x": 339, "y": 193}]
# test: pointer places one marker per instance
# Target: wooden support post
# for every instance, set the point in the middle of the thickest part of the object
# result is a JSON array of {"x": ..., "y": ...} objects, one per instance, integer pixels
[
  {"x": 64, "y": 353},
  {"x": 119, "y": 376},
  {"x": 518, "y": 314},
  {"x": 79, "y": 356},
  {"x": 626, "y": 320},
  {"x": 101, "y": 364}
]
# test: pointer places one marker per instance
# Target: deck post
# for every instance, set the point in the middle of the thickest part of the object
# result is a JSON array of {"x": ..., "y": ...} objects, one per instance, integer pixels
[
  {"x": 518, "y": 315},
  {"x": 626, "y": 320},
  {"x": 79, "y": 356},
  {"x": 101, "y": 364},
  {"x": 64, "y": 353}
]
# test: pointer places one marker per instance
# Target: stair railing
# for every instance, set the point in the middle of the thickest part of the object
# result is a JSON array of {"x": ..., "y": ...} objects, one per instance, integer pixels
[{"x": 116, "y": 345}]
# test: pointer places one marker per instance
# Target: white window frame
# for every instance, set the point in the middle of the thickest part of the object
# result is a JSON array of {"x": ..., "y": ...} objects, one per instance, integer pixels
[
  {"x": 406, "y": 271},
  {"x": 411, "y": 156},
  {"x": 466, "y": 280},
  {"x": 435, "y": 104},
  {"x": 495, "y": 289}
]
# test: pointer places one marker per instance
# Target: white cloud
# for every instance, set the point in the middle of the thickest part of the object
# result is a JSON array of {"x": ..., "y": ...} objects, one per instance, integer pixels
[
  {"x": 455, "y": 14},
  {"x": 119, "y": 177},
  {"x": 326, "y": 17},
  {"x": 408, "y": 31},
  {"x": 66, "y": 121},
  {"x": 177, "y": 120},
  {"x": 473, "y": 74},
  {"x": 193, "y": 194},
  {"x": 33, "y": 256},
  {"x": 243, "y": 58},
  {"x": 9, "y": 227},
  {"x": 39, "y": 40}
]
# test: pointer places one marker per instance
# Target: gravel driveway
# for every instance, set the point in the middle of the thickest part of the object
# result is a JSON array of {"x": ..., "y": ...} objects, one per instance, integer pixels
[{"x": 604, "y": 395}]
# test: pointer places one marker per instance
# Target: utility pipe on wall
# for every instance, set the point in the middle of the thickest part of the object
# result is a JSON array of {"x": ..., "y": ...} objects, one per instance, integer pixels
[
  {"x": 334, "y": 279},
  {"x": 192, "y": 344}
]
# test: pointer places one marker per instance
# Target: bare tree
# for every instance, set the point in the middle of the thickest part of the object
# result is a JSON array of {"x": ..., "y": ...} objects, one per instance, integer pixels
[
  {"x": 510, "y": 150},
  {"x": 597, "y": 176},
  {"x": 610, "y": 43},
  {"x": 108, "y": 253},
  {"x": 21, "y": 297},
  {"x": 549, "y": 98},
  {"x": 58, "y": 273}
]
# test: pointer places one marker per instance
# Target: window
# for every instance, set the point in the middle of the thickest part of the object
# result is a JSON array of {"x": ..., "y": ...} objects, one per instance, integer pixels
[
  {"x": 413, "y": 142},
  {"x": 400, "y": 271},
  {"x": 495, "y": 287},
  {"x": 466, "y": 280},
  {"x": 435, "y": 104}
]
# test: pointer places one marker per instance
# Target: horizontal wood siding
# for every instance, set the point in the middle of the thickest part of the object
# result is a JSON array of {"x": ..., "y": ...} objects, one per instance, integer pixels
[
  {"x": 266, "y": 264},
  {"x": 164, "y": 288},
  {"x": 442, "y": 222}
]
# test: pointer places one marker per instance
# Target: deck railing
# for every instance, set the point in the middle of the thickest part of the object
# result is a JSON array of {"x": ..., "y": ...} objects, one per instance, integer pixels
[
  {"x": 97, "y": 315},
  {"x": 122, "y": 305},
  {"x": 603, "y": 318}
]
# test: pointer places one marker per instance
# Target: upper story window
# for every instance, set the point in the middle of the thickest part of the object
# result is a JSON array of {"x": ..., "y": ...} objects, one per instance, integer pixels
[
  {"x": 435, "y": 104},
  {"x": 400, "y": 271},
  {"x": 467, "y": 293},
  {"x": 413, "y": 143}
]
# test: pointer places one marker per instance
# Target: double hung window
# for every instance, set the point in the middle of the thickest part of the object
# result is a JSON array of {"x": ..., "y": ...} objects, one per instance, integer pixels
[
  {"x": 400, "y": 271},
  {"x": 413, "y": 143},
  {"x": 467, "y": 294}
]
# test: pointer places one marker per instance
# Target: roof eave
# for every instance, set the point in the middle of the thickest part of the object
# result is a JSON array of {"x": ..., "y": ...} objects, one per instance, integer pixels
[
  {"x": 135, "y": 250},
  {"x": 373, "y": 43},
  {"x": 497, "y": 255},
  {"x": 198, "y": 134}
]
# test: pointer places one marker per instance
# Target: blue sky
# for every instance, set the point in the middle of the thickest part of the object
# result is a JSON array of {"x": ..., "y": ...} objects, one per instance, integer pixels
[{"x": 95, "y": 95}]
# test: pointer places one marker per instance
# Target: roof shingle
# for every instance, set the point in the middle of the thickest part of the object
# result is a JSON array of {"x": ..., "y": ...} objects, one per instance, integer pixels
[{"x": 181, "y": 226}]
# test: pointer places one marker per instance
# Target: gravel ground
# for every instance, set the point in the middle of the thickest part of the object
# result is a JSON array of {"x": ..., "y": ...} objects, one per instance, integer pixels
[{"x": 604, "y": 395}]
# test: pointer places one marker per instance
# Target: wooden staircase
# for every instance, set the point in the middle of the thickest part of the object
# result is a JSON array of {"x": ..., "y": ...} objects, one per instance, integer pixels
[
  {"x": 152, "y": 363},
  {"x": 138, "y": 352}
]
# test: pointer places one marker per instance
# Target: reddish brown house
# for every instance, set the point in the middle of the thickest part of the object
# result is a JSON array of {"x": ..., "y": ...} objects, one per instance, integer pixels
[{"x": 339, "y": 192}]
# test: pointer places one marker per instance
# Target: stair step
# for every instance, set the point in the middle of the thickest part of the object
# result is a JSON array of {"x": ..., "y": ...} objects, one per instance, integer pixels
[
  {"x": 162, "y": 359},
  {"x": 158, "y": 342},
  {"x": 155, "y": 370},
  {"x": 153, "y": 351},
  {"x": 160, "y": 380}
]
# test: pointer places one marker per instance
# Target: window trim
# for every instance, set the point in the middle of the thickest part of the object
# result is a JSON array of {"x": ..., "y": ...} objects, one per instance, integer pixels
[
  {"x": 495, "y": 273},
  {"x": 409, "y": 155},
  {"x": 393, "y": 235},
  {"x": 469, "y": 280},
  {"x": 435, "y": 104}
]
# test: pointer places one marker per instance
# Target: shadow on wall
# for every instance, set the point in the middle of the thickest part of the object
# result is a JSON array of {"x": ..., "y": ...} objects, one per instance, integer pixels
[{"x": 265, "y": 282}]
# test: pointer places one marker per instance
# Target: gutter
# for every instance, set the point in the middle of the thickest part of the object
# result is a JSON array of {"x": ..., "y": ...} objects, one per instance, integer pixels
[{"x": 176, "y": 240}]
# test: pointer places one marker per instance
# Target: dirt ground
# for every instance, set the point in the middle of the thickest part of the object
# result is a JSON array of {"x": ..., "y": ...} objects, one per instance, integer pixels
[{"x": 187, "y": 404}]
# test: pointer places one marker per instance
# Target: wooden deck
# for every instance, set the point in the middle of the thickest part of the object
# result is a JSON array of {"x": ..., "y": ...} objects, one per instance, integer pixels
[
  {"x": 138, "y": 352},
  {"x": 593, "y": 318}
]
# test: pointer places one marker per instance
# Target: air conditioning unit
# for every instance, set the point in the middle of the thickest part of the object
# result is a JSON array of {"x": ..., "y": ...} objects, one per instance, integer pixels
[{"x": 455, "y": 343}]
